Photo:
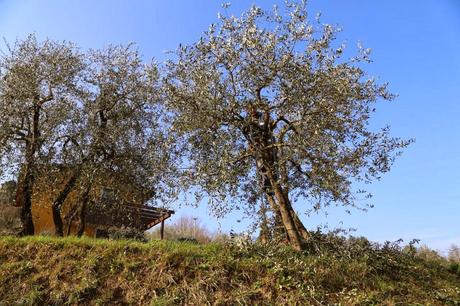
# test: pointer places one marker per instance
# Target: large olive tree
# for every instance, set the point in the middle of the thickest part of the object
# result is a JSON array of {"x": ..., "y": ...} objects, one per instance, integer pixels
[{"x": 267, "y": 101}]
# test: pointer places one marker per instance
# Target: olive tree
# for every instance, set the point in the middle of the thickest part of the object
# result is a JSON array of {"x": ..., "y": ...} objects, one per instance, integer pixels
[
  {"x": 118, "y": 131},
  {"x": 268, "y": 101},
  {"x": 76, "y": 116},
  {"x": 38, "y": 84}
]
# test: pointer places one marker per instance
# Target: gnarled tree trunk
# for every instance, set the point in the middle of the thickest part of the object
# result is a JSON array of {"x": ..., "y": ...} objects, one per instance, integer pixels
[
  {"x": 27, "y": 178},
  {"x": 279, "y": 229},
  {"x": 25, "y": 189},
  {"x": 285, "y": 209}
]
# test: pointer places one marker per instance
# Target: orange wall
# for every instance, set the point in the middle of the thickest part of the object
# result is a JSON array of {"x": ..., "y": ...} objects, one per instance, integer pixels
[
  {"x": 43, "y": 222},
  {"x": 46, "y": 190},
  {"x": 42, "y": 213}
]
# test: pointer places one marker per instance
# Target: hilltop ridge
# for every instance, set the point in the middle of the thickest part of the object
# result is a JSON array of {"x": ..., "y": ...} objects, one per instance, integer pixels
[{"x": 47, "y": 270}]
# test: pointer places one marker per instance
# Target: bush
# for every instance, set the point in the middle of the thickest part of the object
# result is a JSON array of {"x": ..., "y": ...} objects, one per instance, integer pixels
[
  {"x": 454, "y": 254},
  {"x": 187, "y": 239},
  {"x": 118, "y": 233},
  {"x": 428, "y": 254},
  {"x": 454, "y": 267},
  {"x": 185, "y": 228},
  {"x": 10, "y": 221}
]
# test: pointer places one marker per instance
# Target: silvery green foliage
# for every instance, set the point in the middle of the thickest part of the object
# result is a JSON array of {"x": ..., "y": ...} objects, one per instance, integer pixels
[
  {"x": 99, "y": 111},
  {"x": 39, "y": 78},
  {"x": 240, "y": 241},
  {"x": 124, "y": 131},
  {"x": 315, "y": 102},
  {"x": 117, "y": 128}
]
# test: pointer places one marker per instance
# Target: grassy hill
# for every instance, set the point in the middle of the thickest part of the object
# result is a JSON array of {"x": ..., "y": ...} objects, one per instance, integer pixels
[{"x": 46, "y": 270}]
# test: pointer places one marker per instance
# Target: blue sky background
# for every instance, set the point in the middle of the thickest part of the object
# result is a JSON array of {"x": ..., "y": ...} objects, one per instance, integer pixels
[{"x": 416, "y": 48}]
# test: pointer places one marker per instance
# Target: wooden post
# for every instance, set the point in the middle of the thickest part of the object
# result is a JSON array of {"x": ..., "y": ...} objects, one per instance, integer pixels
[{"x": 162, "y": 229}]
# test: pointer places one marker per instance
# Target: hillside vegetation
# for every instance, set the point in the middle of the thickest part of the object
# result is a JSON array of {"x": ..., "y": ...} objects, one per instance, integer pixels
[{"x": 333, "y": 271}]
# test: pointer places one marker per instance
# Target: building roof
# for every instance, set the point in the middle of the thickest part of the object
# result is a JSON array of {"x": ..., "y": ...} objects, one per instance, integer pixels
[{"x": 142, "y": 217}]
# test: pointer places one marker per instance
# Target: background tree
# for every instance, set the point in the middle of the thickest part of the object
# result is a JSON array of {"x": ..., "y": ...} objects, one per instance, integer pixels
[
  {"x": 186, "y": 228},
  {"x": 79, "y": 116},
  {"x": 38, "y": 82},
  {"x": 268, "y": 102},
  {"x": 454, "y": 253},
  {"x": 118, "y": 132}
]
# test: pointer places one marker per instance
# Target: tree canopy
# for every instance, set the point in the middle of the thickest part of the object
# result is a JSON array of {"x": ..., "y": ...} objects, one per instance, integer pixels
[
  {"x": 84, "y": 113},
  {"x": 38, "y": 86},
  {"x": 267, "y": 102}
]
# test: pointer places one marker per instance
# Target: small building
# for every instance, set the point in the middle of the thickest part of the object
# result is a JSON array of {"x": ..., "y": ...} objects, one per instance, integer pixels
[{"x": 112, "y": 203}]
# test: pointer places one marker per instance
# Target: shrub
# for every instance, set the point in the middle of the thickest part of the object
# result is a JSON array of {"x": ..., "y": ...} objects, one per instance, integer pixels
[
  {"x": 454, "y": 254},
  {"x": 185, "y": 227},
  {"x": 10, "y": 221},
  {"x": 454, "y": 267},
  {"x": 117, "y": 233},
  {"x": 428, "y": 254},
  {"x": 187, "y": 239}
]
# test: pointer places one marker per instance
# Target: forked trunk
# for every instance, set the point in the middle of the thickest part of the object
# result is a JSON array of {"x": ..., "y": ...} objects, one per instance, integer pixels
[
  {"x": 279, "y": 229},
  {"x": 288, "y": 221},
  {"x": 300, "y": 227},
  {"x": 298, "y": 223}
]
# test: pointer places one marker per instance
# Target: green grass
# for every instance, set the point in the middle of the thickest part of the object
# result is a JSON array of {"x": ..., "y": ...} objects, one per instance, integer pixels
[{"x": 47, "y": 270}]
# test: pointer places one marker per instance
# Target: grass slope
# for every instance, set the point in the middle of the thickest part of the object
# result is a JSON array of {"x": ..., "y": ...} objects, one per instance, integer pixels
[{"x": 46, "y": 270}]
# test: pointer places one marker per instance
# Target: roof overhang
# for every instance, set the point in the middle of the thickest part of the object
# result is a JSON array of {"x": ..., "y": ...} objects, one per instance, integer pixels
[{"x": 138, "y": 216}]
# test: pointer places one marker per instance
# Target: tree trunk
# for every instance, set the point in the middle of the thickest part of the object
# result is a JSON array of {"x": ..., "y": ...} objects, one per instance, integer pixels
[
  {"x": 267, "y": 165},
  {"x": 300, "y": 227},
  {"x": 279, "y": 226},
  {"x": 279, "y": 229},
  {"x": 288, "y": 221},
  {"x": 84, "y": 205},
  {"x": 280, "y": 204},
  {"x": 72, "y": 217},
  {"x": 285, "y": 209},
  {"x": 284, "y": 182},
  {"x": 298, "y": 223},
  {"x": 27, "y": 178},
  {"x": 82, "y": 224},
  {"x": 57, "y": 204},
  {"x": 24, "y": 198},
  {"x": 264, "y": 233}
]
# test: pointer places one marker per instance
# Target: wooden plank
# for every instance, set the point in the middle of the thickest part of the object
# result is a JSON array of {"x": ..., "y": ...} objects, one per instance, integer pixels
[
  {"x": 143, "y": 217},
  {"x": 155, "y": 222}
]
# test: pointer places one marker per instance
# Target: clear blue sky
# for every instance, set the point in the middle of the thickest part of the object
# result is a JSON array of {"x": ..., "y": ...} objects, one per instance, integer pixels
[{"x": 416, "y": 47}]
